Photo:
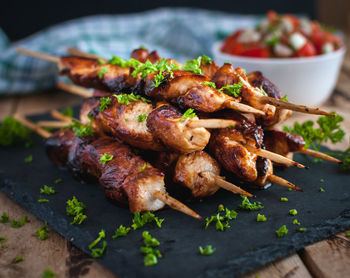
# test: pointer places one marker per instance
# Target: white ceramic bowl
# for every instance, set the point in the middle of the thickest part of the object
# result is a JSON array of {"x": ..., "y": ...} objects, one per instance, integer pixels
[{"x": 308, "y": 81}]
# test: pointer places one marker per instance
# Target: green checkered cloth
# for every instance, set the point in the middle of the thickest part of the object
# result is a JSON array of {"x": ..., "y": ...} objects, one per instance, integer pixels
[{"x": 181, "y": 33}]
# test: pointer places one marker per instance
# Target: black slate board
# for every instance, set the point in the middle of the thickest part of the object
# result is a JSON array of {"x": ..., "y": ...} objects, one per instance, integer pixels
[{"x": 246, "y": 245}]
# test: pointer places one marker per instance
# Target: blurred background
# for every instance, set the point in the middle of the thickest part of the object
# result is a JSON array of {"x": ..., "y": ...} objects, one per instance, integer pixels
[{"x": 22, "y": 18}]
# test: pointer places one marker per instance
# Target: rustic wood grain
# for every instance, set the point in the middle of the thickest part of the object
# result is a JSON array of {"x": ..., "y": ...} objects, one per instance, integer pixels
[{"x": 291, "y": 267}]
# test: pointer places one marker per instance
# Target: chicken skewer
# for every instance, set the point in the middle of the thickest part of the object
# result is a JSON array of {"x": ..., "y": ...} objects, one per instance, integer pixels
[
  {"x": 212, "y": 177},
  {"x": 169, "y": 132},
  {"x": 225, "y": 75},
  {"x": 86, "y": 72},
  {"x": 121, "y": 177}
]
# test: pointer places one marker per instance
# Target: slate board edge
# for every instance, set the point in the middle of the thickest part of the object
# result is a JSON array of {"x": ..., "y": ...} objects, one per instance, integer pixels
[{"x": 234, "y": 267}]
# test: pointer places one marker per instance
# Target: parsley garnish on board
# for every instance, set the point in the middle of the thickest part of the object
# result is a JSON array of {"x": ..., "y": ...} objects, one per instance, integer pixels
[
  {"x": 105, "y": 158},
  {"x": 189, "y": 114},
  {"x": 232, "y": 90},
  {"x": 18, "y": 224},
  {"x": 102, "y": 72},
  {"x": 293, "y": 212},
  {"x": 207, "y": 251},
  {"x": 284, "y": 199},
  {"x": 28, "y": 159},
  {"x": 151, "y": 255},
  {"x": 59, "y": 180},
  {"x": 42, "y": 232},
  {"x": 140, "y": 220},
  {"x": 104, "y": 103},
  {"x": 4, "y": 218},
  {"x": 247, "y": 205},
  {"x": 128, "y": 98},
  {"x": 2, "y": 239},
  {"x": 48, "y": 190},
  {"x": 302, "y": 229},
  {"x": 141, "y": 117},
  {"x": 121, "y": 231},
  {"x": 18, "y": 259},
  {"x": 281, "y": 232},
  {"x": 13, "y": 132},
  {"x": 296, "y": 222},
  {"x": 261, "y": 218},
  {"x": 222, "y": 218},
  {"x": 48, "y": 273},
  {"x": 98, "y": 252},
  {"x": 43, "y": 200},
  {"x": 76, "y": 209}
]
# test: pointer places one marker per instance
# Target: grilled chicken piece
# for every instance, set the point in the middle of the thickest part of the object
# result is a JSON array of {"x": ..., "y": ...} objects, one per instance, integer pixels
[
  {"x": 282, "y": 142},
  {"x": 166, "y": 124},
  {"x": 209, "y": 69},
  {"x": 121, "y": 121},
  {"x": 195, "y": 171},
  {"x": 125, "y": 178}
]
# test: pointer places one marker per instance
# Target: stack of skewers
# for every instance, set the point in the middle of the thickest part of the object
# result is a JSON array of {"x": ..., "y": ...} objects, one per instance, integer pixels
[{"x": 150, "y": 119}]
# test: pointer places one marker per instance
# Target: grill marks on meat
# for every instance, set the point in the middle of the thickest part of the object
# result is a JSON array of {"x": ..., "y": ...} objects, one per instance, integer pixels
[
  {"x": 126, "y": 178},
  {"x": 283, "y": 142},
  {"x": 166, "y": 124},
  {"x": 194, "y": 171}
]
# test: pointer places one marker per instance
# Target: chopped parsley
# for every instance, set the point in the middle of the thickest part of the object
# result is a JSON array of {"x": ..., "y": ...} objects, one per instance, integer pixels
[
  {"x": 261, "y": 218},
  {"x": 128, "y": 98},
  {"x": 118, "y": 61},
  {"x": 143, "y": 167},
  {"x": 222, "y": 218},
  {"x": 302, "y": 229},
  {"x": 48, "y": 273},
  {"x": 59, "y": 180},
  {"x": 18, "y": 259},
  {"x": 247, "y": 205},
  {"x": 42, "y": 232},
  {"x": 163, "y": 65},
  {"x": 322, "y": 189},
  {"x": 296, "y": 222},
  {"x": 209, "y": 84},
  {"x": 158, "y": 78},
  {"x": 13, "y": 132},
  {"x": 48, "y": 190},
  {"x": 189, "y": 114},
  {"x": 121, "y": 231},
  {"x": 98, "y": 252},
  {"x": 263, "y": 91},
  {"x": 290, "y": 189},
  {"x": 81, "y": 130},
  {"x": 104, "y": 103},
  {"x": 76, "y": 209},
  {"x": 2, "y": 239},
  {"x": 18, "y": 224},
  {"x": 193, "y": 65},
  {"x": 321, "y": 180},
  {"x": 207, "y": 251},
  {"x": 4, "y": 218},
  {"x": 105, "y": 158},
  {"x": 28, "y": 159},
  {"x": 151, "y": 255},
  {"x": 102, "y": 72},
  {"x": 285, "y": 98},
  {"x": 206, "y": 60},
  {"x": 101, "y": 61},
  {"x": 141, "y": 117},
  {"x": 347, "y": 234},
  {"x": 143, "y": 47},
  {"x": 284, "y": 199},
  {"x": 43, "y": 201},
  {"x": 281, "y": 232},
  {"x": 140, "y": 220},
  {"x": 293, "y": 212},
  {"x": 67, "y": 112},
  {"x": 232, "y": 90}
]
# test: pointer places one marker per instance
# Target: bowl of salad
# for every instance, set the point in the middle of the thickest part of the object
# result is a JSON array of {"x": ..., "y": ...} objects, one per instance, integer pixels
[{"x": 299, "y": 55}]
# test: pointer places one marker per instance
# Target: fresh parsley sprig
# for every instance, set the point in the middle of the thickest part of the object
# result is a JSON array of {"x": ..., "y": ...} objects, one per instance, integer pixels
[
  {"x": 222, "y": 218},
  {"x": 76, "y": 209},
  {"x": 207, "y": 251},
  {"x": 104, "y": 103},
  {"x": 42, "y": 232},
  {"x": 232, "y": 90},
  {"x": 282, "y": 231},
  {"x": 189, "y": 114},
  {"x": 247, "y": 205},
  {"x": 48, "y": 190},
  {"x": 105, "y": 158},
  {"x": 140, "y": 220},
  {"x": 121, "y": 232},
  {"x": 151, "y": 255},
  {"x": 98, "y": 252}
]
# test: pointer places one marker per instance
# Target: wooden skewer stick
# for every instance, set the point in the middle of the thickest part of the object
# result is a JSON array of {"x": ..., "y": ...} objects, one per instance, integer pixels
[
  {"x": 211, "y": 123},
  {"x": 274, "y": 157},
  {"x": 283, "y": 182},
  {"x": 175, "y": 204},
  {"x": 295, "y": 107},
  {"x": 320, "y": 155},
  {"x": 42, "y": 132},
  {"x": 77, "y": 52},
  {"x": 54, "y": 124},
  {"x": 39, "y": 55},
  {"x": 163, "y": 196},
  {"x": 243, "y": 108},
  {"x": 59, "y": 116},
  {"x": 219, "y": 181},
  {"x": 77, "y": 90}
]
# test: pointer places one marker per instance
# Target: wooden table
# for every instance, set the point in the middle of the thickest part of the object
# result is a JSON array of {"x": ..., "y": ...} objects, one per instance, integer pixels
[{"x": 328, "y": 258}]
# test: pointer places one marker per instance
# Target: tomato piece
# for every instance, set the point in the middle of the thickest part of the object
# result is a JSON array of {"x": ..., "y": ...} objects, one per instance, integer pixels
[
  {"x": 307, "y": 50},
  {"x": 231, "y": 41},
  {"x": 257, "y": 52},
  {"x": 271, "y": 16}
]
